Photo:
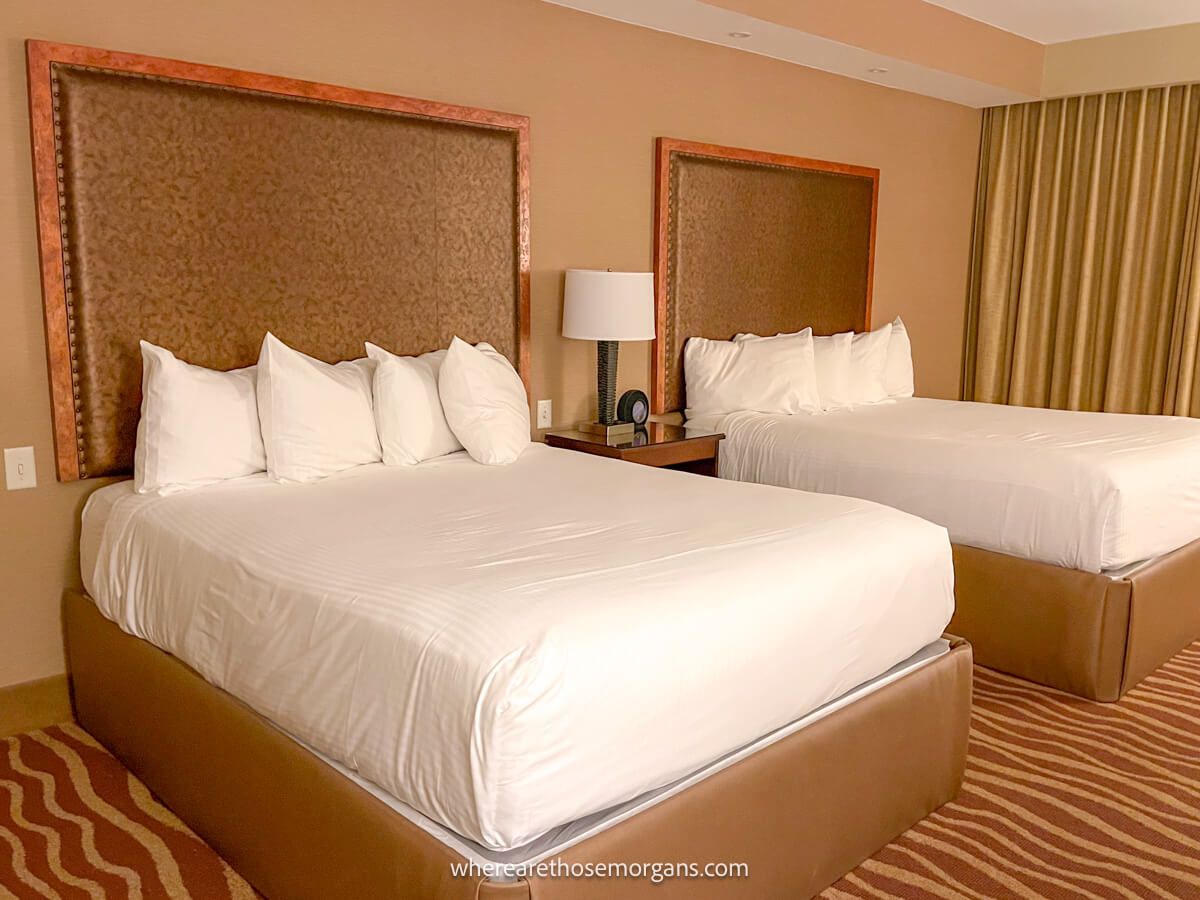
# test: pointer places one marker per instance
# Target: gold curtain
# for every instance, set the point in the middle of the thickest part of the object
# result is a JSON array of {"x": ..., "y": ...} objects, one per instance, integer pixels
[{"x": 1085, "y": 270}]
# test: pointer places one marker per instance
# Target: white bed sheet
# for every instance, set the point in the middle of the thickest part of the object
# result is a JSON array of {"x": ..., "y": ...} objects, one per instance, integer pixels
[
  {"x": 1090, "y": 491},
  {"x": 507, "y": 649},
  {"x": 555, "y": 841}
]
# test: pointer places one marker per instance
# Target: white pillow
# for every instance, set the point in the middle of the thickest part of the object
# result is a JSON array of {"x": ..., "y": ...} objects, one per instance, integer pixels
[
  {"x": 771, "y": 375},
  {"x": 898, "y": 374},
  {"x": 485, "y": 402},
  {"x": 831, "y": 358},
  {"x": 198, "y": 425},
  {"x": 868, "y": 362},
  {"x": 833, "y": 355},
  {"x": 408, "y": 411},
  {"x": 316, "y": 417}
]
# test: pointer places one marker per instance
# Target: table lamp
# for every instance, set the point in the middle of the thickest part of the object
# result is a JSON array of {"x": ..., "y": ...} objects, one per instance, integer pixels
[{"x": 607, "y": 307}]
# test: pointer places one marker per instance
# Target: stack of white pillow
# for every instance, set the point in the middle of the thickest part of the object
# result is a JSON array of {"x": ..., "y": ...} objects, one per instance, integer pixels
[
  {"x": 797, "y": 373},
  {"x": 300, "y": 419}
]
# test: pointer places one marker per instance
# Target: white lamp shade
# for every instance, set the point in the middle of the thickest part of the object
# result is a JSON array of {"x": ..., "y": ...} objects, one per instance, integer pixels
[{"x": 608, "y": 306}]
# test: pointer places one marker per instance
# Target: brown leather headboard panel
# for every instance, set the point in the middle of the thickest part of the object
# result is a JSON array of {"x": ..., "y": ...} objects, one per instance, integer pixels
[
  {"x": 197, "y": 208},
  {"x": 758, "y": 242}
]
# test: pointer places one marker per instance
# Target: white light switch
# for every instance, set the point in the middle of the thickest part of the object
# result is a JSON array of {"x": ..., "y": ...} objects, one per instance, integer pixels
[
  {"x": 19, "y": 470},
  {"x": 545, "y": 413}
]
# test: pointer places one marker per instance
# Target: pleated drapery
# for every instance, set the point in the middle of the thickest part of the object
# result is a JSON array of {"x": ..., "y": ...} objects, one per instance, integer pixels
[{"x": 1085, "y": 275}]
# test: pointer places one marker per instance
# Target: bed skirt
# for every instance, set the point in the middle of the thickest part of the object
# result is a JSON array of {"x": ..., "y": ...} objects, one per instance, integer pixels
[
  {"x": 1085, "y": 633},
  {"x": 800, "y": 812}
]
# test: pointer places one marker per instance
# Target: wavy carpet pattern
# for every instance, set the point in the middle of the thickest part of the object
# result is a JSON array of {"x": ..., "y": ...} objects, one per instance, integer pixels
[
  {"x": 1063, "y": 797},
  {"x": 75, "y": 824}
]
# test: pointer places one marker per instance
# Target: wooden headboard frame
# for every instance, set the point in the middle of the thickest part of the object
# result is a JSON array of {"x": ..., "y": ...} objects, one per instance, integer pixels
[
  {"x": 73, "y": 415},
  {"x": 850, "y": 312}
]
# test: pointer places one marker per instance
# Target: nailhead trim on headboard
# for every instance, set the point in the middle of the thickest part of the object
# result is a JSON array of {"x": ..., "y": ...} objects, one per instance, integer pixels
[{"x": 80, "y": 437}]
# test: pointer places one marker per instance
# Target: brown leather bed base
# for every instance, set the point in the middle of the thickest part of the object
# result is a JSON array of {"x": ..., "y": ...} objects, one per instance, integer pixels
[
  {"x": 1085, "y": 633},
  {"x": 800, "y": 813}
]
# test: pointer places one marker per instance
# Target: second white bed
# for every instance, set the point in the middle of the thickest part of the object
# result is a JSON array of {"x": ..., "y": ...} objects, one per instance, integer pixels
[
  {"x": 507, "y": 649},
  {"x": 1090, "y": 491}
]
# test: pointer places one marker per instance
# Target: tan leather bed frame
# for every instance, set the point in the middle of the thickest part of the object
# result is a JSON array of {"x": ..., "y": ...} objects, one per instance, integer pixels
[
  {"x": 430, "y": 239},
  {"x": 800, "y": 813},
  {"x": 766, "y": 243},
  {"x": 1085, "y": 633}
]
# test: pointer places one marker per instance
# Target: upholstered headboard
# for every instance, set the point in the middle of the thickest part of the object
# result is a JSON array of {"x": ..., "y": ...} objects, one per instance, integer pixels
[
  {"x": 199, "y": 207},
  {"x": 758, "y": 242}
]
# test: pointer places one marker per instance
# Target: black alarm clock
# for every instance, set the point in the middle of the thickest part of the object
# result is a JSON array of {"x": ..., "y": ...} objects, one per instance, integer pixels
[{"x": 633, "y": 407}]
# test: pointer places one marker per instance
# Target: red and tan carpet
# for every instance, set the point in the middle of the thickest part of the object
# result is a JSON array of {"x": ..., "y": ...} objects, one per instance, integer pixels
[
  {"x": 1063, "y": 798},
  {"x": 75, "y": 824}
]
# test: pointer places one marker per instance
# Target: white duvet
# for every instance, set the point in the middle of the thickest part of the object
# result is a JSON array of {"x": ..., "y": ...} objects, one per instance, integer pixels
[
  {"x": 509, "y": 648},
  {"x": 1090, "y": 491}
]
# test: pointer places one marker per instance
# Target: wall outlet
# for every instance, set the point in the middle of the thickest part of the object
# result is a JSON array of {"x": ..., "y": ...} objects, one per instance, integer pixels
[
  {"x": 19, "y": 469},
  {"x": 545, "y": 413}
]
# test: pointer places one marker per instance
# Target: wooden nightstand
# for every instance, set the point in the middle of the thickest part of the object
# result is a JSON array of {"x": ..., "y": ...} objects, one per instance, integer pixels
[{"x": 663, "y": 446}]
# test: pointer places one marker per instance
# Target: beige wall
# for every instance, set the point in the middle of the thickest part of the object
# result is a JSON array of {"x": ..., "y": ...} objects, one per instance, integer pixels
[
  {"x": 598, "y": 93},
  {"x": 1117, "y": 62}
]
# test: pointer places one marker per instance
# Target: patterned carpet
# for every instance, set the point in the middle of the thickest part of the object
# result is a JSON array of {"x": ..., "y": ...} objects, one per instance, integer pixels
[
  {"x": 1063, "y": 798},
  {"x": 75, "y": 824}
]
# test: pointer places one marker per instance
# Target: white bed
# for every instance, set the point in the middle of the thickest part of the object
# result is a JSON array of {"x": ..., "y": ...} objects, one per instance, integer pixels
[
  {"x": 508, "y": 864},
  {"x": 508, "y": 649},
  {"x": 1091, "y": 491}
]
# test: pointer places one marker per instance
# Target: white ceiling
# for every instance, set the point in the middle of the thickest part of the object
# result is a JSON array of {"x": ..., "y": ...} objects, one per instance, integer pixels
[
  {"x": 1052, "y": 21},
  {"x": 713, "y": 24}
]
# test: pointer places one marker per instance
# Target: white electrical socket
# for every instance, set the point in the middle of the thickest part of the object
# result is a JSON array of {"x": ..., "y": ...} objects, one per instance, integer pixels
[
  {"x": 19, "y": 469},
  {"x": 545, "y": 413}
]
